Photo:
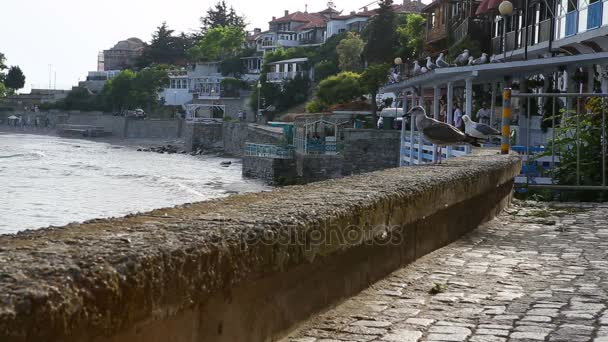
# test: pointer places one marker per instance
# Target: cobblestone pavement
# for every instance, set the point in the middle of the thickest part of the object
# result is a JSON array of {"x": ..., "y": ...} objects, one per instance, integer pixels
[{"x": 533, "y": 274}]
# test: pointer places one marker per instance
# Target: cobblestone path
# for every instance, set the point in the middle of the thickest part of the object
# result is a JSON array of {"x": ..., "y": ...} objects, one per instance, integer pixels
[{"x": 533, "y": 274}]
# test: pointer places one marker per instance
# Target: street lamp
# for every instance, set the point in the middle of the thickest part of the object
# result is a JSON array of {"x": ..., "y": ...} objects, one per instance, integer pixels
[
  {"x": 259, "y": 91},
  {"x": 398, "y": 61},
  {"x": 505, "y": 9}
]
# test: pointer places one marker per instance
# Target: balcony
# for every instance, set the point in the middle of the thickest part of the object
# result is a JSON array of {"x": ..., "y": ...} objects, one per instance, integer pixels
[
  {"x": 571, "y": 23},
  {"x": 281, "y": 76},
  {"x": 496, "y": 45},
  {"x": 468, "y": 28},
  {"x": 436, "y": 33},
  {"x": 536, "y": 34},
  {"x": 511, "y": 40},
  {"x": 544, "y": 31},
  {"x": 594, "y": 15}
]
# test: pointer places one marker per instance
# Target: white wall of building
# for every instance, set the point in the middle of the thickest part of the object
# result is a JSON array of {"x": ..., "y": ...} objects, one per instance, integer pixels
[{"x": 176, "y": 97}]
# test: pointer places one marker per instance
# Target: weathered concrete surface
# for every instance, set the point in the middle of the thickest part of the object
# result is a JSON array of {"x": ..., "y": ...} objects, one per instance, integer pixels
[
  {"x": 533, "y": 274},
  {"x": 247, "y": 267}
]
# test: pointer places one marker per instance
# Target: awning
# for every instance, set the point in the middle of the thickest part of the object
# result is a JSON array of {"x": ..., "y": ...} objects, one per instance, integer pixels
[{"x": 494, "y": 72}]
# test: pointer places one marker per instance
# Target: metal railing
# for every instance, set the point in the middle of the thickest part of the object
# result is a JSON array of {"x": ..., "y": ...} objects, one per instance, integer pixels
[
  {"x": 571, "y": 23},
  {"x": 574, "y": 154},
  {"x": 289, "y": 75},
  {"x": 269, "y": 151},
  {"x": 594, "y": 15}
]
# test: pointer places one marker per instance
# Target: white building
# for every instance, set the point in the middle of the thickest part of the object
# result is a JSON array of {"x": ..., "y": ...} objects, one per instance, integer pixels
[{"x": 288, "y": 70}]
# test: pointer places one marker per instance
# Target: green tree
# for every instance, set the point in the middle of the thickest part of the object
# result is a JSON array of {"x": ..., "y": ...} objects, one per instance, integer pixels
[
  {"x": 324, "y": 69},
  {"x": 165, "y": 48},
  {"x": 341, "y": 88},
  {"x": 2, "y": 76},
  {"x": 15, "y": 79},
  {"x": 219, "y": 43},
  {"x": 381, "y": 35},
  {"x": 349, "y": 52},
  {"x": 2, "y": 62},
  {"x": 588, "y": 150},
  {"x": 117, "y": 91},
  {"x": 411, "y": 36},
  {"x": 374, "y": 77},
  {"x": 221, "y": 16}
]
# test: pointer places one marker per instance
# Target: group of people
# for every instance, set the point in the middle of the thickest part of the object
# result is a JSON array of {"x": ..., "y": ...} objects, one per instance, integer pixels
[
  {"x": 483, "y": 115},
  {"x": 242, "y": 115}
]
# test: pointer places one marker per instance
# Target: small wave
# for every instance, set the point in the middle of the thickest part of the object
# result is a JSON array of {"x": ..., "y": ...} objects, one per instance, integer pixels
[{"x": 37, "y": 155}]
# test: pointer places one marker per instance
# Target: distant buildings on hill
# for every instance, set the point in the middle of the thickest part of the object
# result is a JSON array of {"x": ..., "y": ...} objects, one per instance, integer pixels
[{"x": 122, "y": 56}]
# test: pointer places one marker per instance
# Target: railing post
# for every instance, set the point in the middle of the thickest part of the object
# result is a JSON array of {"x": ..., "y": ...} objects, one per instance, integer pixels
[{"x": 506, "y": 121}]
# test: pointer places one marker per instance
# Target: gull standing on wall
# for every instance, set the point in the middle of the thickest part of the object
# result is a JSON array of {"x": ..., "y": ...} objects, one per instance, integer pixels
[
  {"x": 429, "y": 64},
  {"x": 439, "y": 133},
  {"x": 478, "y": 130},
  {"x": 463, "y": 58},
  {"x": 440, "y": 62}
]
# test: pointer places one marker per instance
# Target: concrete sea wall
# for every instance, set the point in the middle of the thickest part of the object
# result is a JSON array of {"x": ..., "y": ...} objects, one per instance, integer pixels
[
  {"x": 128, "y": 128},
  {"x": 245, "y": 268},
  {"x": 229, "y": 136},
  {"x": 368, "y": 150}
]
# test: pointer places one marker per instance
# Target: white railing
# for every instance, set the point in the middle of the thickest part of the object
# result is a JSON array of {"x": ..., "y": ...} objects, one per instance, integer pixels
[
  {"x": 269, "y": 151},
  {"x": 280, "y": 76},
  {"x": 414, "y": 153}
]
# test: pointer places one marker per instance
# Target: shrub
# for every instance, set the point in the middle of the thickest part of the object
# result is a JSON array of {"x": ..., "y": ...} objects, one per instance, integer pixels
[
  {"x": 341, "y": 88},
  {"x": 315, "y": 106},
  {"x": 324, "y": 69}
]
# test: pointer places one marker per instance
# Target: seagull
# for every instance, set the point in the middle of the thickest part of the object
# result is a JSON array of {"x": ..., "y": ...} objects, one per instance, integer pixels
[
  {"x": 471, "y": 60},
  {"x": 440, "y": 62},
  {"x": 481, "y": 60},
  {"x": 439, "y": 133},
  {"x": 424, "y": 70},
  {"x": 417, "y": 70},
  {"x": 462, "y": 58},
  {"x": 429, "y": 64},
  {"x": 495, "y": 59},
  {"x": 478, "y": 130}
]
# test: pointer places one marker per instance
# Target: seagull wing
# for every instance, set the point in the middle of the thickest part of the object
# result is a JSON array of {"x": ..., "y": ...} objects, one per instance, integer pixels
[
  {"x": 441, "y": 133},
  {"x": 486, "y": 130}
]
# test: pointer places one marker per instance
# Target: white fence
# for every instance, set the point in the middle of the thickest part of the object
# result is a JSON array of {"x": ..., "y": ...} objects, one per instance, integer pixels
[{"x": 411, "y": 152}]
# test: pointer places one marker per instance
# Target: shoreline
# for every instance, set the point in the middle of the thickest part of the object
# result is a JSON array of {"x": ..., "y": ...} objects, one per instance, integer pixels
[{"x": 116, "y": 141}]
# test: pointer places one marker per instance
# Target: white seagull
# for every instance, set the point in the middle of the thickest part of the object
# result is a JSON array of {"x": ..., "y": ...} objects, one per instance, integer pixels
[
  {"x": 471, "y": 60},
  {"x": 440, "y": 62},
  {"x": 417, "y": 69},
  {"x": 481, "y": 60},
  {"x": 463, "y": 58},
  {"x": 495, "y": 59},
  {"x": 478, "y": 130},
  {"x": 439, "y": 133},
  {"x": 429, "y": 64}
]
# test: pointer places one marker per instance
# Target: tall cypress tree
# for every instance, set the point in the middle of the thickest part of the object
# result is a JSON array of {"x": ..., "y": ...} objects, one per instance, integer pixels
[
  {"x": 381, "y": 35},
  {"x": 221, "y": 15}
]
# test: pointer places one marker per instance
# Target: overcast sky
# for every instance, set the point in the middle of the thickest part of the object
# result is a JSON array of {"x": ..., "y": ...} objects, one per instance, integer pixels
[{"x": 68, "y": 34}]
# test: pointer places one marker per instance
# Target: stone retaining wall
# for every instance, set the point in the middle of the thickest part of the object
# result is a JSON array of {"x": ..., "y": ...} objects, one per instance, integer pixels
[
  {"x": 272, "y": 171},
  {"x": 368, "y": 150},
  {"x": 229, "y": 136},
  {"x": 245, "y": 268}
]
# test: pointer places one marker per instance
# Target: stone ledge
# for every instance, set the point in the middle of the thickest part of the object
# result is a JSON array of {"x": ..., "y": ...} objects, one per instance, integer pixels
[{"x": 237, "y": 267}]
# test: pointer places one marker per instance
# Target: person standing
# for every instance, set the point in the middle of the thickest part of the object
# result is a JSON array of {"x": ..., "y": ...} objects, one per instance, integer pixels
[
  {"x": 458, "y": 123},
  {"x": 483, "y": 115}
]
